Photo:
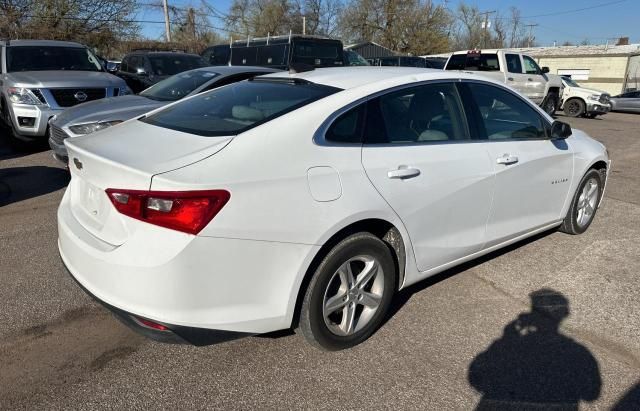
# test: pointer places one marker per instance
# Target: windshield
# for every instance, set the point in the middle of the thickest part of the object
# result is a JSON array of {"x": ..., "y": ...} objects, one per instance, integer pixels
[
  {"x": 570, "y": 82},
  {"x": 168, "y": 65},
  {"x": 237, "y": 107},
  {"x": 354, "y": 59},
  {"x": 39, "y": 58},
  {"x": 178, "y": 86}
]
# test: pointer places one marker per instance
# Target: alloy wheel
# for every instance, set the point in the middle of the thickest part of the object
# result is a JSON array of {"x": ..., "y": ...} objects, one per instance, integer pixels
[
  {"x": 353, "y": 295},
  {"x": 587, "y": 202}
]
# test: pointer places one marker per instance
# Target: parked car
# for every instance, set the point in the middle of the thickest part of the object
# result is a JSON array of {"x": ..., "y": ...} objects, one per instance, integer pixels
[
  {"x": 514, "y": 69},
  {"x": 143, "y": 68},
  {"x": 40, "y": 78},
  {"x": 307, "y": 200},
  {"x": 97, "y": 115},
  {"x": 578, "y": 101},
  {"x": 629, "y": 102},
  {"x": 279, "y": 52}
]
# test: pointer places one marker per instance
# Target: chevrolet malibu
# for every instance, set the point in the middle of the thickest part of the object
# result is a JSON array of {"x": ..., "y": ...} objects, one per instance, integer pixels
[{"x": 306, "y": 200}]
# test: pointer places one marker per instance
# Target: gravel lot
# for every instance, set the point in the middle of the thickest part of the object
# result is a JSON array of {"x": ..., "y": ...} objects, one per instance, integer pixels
[{"x": 451, "y": 342}]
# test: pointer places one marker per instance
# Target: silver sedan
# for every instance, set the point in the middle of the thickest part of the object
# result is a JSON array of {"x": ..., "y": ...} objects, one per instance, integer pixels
[
  {"x": 99, "y": 114},
  {"x": 629, "y": 101}
]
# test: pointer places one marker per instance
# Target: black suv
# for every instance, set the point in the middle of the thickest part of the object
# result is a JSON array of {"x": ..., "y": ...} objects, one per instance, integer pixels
[
  {"x": 278, "y": 52},
  {"x": 142, "y": 68}
]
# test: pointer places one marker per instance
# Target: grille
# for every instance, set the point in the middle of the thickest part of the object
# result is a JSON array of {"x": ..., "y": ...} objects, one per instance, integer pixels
[
  {"x": 65, "y": 97},
  {"x": 36, "y": 92},
  {"x": 605, "y": 98},
  {"x": 57, "y": 134}
]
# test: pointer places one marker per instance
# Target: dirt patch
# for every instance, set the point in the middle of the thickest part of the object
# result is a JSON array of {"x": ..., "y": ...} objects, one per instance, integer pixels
[{"x": 65, "y": 351}]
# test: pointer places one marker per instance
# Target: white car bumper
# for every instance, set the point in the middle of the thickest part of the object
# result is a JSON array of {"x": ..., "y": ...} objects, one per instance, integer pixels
[{"x": 204, "y": 282}]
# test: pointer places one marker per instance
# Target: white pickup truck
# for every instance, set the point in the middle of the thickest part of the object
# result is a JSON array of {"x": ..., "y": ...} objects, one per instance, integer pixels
[{"x": 517, "y": 70}]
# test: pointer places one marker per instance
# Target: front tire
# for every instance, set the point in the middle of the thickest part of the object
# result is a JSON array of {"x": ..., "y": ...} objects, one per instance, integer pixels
[
  {"x": 584, "y": 204},
  {"x": 550, "y": 104},
  {"x": 349, "y": 294},
  {"x": 574, "y": 107}
]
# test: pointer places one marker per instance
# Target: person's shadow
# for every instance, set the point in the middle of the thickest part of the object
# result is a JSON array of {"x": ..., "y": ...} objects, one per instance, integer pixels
[{"x": 533, "y": 366}]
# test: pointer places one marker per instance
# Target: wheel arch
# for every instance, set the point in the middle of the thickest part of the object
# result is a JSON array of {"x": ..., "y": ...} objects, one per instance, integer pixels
[{"x": 381, "y": 228}]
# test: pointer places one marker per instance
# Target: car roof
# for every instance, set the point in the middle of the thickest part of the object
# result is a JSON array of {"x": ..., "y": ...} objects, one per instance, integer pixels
[
  {"x": 357, "y": 76},
  {"x": 161, "y": 53},
  {"x": 36, "y": 43}
]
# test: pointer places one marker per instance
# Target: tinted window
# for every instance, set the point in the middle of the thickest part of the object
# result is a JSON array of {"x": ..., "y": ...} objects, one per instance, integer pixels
[
  {"x": 317, "y": 53},
  {"x": 178, "y": 86},
  {"x": 124, "y": 66},
  {"x": 216, "y": 55},
  {"x": 504, "y": 114},
  {"x": 347, "y": 128},
  {"x": 168, "y": 65},
  {"x": 135, "y": 63},
  {"x": 482, "y": 62},
  {"x": 457, "y": 62},
  {"x": 38, "y": 58},
  {"x": 238, "y": 107},
  {"x": 513, "y": 63},
  {"x": 530, "y": 66},
  {"x": 426, "y": 113}
]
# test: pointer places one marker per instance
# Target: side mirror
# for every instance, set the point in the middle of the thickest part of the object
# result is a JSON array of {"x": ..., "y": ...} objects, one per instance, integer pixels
[
  {"x": 545, "y": 70},
  {"x": 560, "y": 130},
  {"x": 141, "y": 72}
]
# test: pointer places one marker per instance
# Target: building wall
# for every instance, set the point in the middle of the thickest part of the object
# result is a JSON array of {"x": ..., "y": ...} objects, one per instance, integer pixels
[{"x": 605, "y": 72}]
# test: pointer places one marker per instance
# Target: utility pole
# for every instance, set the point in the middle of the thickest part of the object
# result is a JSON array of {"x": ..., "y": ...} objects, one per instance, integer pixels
[
  {"x": 167, "y": 28},
  {"x": 531, "y": 26},
  {"x": 485, "y": 26}
]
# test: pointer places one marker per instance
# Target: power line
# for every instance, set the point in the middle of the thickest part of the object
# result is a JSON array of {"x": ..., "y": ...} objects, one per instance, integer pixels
[{"x": 595, "y": 6}]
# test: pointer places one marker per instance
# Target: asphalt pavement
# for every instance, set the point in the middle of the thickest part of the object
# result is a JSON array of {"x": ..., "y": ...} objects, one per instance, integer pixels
[{"x": 554, "y": 319}]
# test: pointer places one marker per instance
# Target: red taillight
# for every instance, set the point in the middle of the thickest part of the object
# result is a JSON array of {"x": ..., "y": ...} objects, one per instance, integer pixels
[
  {"x": 186, "y": 211},
  {"x": 151, "y": 324}
]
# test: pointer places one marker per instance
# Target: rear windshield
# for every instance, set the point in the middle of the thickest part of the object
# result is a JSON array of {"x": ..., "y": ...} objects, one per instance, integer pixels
[
  {"x": 168, "y": 65},
  {"x": 178, "y": 86},
  {"x": 40, "y": 58},
  {"x": 475, "y": 62},
  {"x": 238, "y": 107}
]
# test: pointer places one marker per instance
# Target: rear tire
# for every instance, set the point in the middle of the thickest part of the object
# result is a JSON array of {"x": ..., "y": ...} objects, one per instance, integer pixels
[
  {"x": 349, "y": 294},
  {"x": 550, "y": 104},
  {"x": 574, "y": 107},
  {"x": 584, "y": 204}
]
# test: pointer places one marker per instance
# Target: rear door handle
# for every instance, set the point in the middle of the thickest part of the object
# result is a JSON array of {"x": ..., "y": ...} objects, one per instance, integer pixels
[
  {"x": 403, "y": 172},
  {"x": 507, "y": 159}
]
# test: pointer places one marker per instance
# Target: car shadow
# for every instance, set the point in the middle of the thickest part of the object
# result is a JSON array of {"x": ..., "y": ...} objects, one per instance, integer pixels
[
  {"x": 21, "y": 183},
  {"x": 404, "y": 295},
  {"x": 630, "y": 400},
  {"x": 533, "y": 365},
  {"x": 12, "y": 148}
]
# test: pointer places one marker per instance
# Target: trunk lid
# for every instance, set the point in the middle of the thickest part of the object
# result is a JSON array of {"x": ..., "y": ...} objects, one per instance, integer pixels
[{"x": 126, "y": 156}]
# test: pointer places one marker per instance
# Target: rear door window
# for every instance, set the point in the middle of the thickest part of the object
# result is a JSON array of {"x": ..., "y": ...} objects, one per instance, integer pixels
[
  {"x": 238, "y": 107},
  {"x": 513, "y": 63},
  {"x": 347, "y": 128},
  {"x": 427, "y": 113}
]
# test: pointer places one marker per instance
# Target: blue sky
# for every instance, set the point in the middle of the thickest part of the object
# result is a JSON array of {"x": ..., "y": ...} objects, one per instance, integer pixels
[{"x": 596, "y": 24}]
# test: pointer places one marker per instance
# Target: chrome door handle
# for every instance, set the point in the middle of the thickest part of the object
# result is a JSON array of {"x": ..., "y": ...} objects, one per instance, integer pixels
[
  {"x": 403, "y": 172},
  {"x": 507, "y": 159}
]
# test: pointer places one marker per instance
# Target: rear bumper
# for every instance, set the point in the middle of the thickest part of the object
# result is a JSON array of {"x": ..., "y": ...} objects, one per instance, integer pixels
[
  {"x": 193, "y": 282},
  {"x": 175, "y": 334}
]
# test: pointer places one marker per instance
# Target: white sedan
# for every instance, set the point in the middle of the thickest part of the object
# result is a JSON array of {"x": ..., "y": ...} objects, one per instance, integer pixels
[{"x": 307, "y": 200}]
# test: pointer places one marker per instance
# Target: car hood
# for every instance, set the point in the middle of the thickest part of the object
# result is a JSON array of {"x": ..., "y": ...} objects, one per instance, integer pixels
[
  {"x": 64, "y": 78},
  {"x": 107, "y": 109},
  {"x": 587, "y": 90}
]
